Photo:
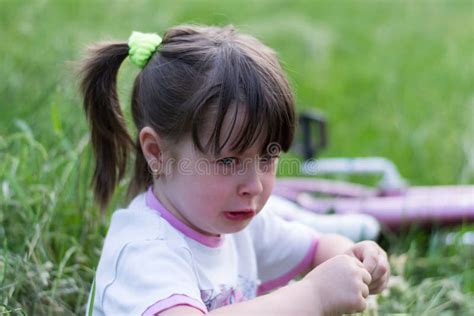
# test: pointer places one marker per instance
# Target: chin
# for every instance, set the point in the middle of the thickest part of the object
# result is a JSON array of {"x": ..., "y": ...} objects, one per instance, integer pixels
[{"x": 235, "y": 228}]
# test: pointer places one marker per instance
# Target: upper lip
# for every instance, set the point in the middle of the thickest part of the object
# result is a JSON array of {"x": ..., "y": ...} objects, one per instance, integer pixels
[{"x": 243, "y": 210}]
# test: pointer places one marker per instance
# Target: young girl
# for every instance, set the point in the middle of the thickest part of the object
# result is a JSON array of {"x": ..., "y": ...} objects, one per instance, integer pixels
[{"x": 213, "y": 110}]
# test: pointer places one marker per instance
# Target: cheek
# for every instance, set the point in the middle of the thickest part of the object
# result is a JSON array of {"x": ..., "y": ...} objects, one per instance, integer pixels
[
  {"x": 197, "y": 196},
  {"x": 210, "y": 190},
  {"x": 268, "y": 182}
]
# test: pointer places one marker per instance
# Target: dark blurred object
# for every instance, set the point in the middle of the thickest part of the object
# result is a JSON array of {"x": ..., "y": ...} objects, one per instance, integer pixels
[{"x": 313, "y": 126}]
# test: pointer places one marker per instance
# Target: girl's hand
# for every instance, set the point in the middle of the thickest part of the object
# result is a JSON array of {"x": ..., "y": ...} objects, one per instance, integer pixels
[
  {"x": 340, "y": 284},
  {"x": 375, "y": 261}
]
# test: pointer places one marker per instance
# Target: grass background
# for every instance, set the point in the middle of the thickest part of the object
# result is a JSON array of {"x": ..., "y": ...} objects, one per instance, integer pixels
[{"x": 394, "y": 78}]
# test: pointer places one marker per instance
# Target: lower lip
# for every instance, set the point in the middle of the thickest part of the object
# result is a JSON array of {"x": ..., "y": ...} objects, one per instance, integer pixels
[{"x": 238, "y": 216}]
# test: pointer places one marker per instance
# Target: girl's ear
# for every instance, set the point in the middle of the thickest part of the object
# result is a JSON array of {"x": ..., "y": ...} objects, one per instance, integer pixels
[{"x": 152, "y": 145}]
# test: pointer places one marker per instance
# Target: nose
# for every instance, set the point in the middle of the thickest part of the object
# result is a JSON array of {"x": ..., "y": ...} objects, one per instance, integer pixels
[{"x": 251, "y": 183}]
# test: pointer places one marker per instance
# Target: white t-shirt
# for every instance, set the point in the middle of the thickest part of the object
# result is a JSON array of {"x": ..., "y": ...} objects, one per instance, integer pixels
[{"x": 151, "y": 261}]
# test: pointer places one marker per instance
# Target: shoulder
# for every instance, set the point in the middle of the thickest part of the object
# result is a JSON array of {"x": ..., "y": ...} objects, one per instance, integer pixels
[
  {"x": 142, "y": 272},
  {"x": 138, "y": 223},
  {"x": 138, "y": 245},
  {"x": 141, "y": 230}
]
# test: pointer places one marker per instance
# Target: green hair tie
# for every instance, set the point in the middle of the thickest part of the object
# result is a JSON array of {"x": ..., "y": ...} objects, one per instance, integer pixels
[{"x": 142, "y": 46}]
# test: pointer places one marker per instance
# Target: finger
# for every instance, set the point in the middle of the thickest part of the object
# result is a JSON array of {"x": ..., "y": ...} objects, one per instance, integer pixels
[
  {"x": 370, "y": 261},
  {"x": 376, "y": 287},
  {"x": 365, "y": 291},
  {"x": 361, "y": 249},
  {"x": 361, "y": 306},
  {"x": 367, "y": 252},
  {"x": 386, "y": 279},
  {"x": 366, "y": 277},
  {"x": 379, "y": 285},
  {"x": 359, "y": 263},
  {"x": 381, "y": 267}
]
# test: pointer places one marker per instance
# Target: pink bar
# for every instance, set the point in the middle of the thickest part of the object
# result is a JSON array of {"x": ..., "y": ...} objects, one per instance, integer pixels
[
  {"x": 173, "y": 301},
  {"x": 284, "y": 279}
]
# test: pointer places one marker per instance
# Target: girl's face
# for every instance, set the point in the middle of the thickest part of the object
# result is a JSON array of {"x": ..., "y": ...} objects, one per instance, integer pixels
[{"x": 215, "y": 195}]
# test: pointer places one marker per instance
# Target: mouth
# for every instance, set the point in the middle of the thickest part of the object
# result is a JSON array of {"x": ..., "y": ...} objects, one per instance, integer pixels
[{"x": 239, "y": 215}]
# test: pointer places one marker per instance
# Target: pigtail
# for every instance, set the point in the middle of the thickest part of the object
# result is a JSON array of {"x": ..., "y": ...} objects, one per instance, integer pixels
[{"x": 110, "y": 138}]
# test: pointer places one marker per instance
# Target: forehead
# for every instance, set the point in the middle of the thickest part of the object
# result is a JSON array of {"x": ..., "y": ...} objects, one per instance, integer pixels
[{"x": 237, "y": 131}]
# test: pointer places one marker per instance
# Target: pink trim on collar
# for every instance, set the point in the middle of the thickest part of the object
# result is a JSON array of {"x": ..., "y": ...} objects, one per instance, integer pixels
[{"x": 153, "y": 203}]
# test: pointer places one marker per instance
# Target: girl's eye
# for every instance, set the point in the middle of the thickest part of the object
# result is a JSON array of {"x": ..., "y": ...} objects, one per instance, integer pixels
[
  {"x": 228, "y": 161},
  {"x": 268, "y": 158},
  {"x": 267, "y": 163}
]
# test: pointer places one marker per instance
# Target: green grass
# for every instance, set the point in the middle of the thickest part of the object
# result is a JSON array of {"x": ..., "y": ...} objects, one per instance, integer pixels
[{"x": 395, "y": 79}]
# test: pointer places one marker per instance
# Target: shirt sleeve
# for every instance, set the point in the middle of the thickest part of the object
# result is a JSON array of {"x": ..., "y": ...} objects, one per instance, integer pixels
[
  {"x": 151, "y": 277},
  {"x": 284, "y": 249}
]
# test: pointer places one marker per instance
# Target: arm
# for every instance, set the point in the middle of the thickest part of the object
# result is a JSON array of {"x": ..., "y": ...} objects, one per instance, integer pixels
[
  {"x": 329, "y": 245},
  {"x": 337, "y": 286},
  {"x": 368, "y": 253},
  {"x": 297, "y": 298}
]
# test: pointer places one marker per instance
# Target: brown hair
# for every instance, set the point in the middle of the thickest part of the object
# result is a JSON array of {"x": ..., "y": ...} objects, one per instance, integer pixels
[{"x": 196, "y": 71}]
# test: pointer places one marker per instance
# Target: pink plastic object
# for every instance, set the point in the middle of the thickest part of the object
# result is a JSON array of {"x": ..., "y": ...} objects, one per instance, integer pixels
[{"x": 411, "y": 205}]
